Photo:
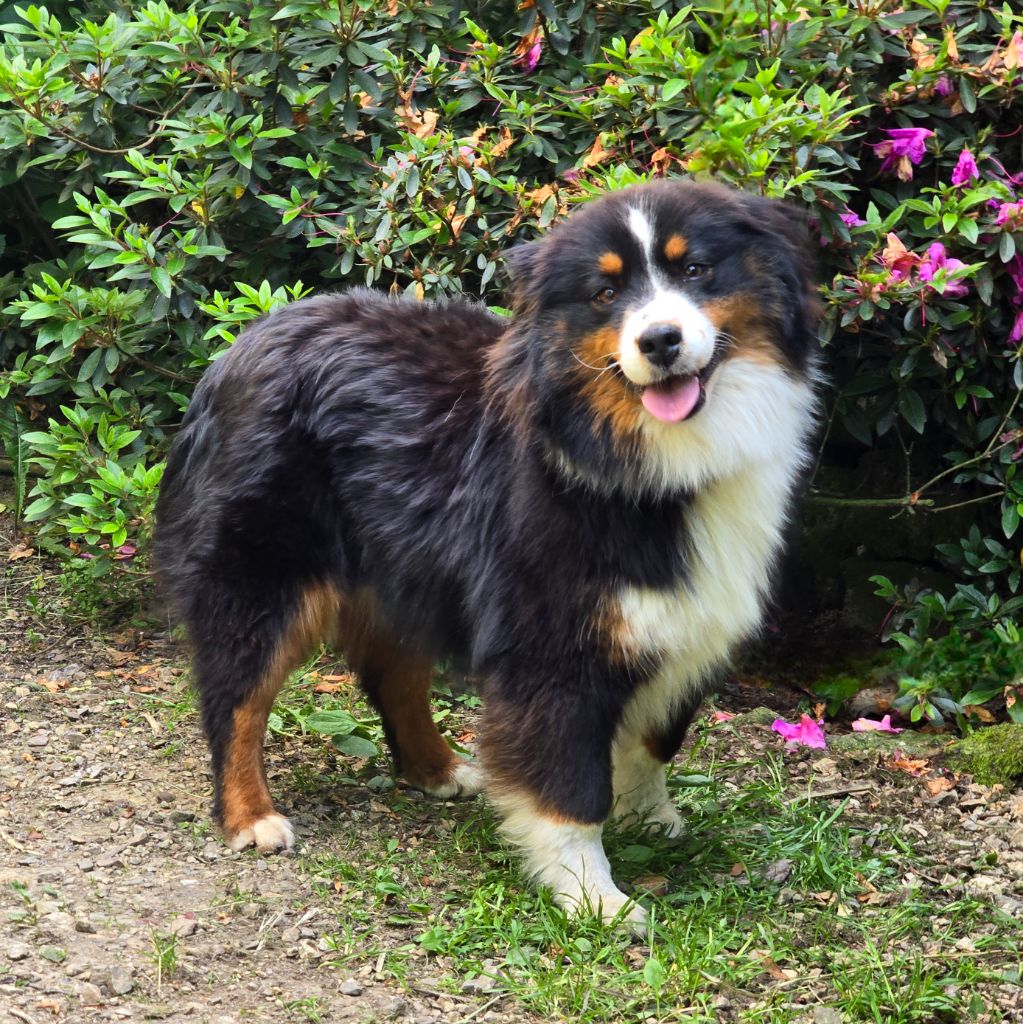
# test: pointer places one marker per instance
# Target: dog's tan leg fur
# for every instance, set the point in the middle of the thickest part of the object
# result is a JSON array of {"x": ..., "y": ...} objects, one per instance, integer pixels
[
  {"x": 248, "y": 816},
  {"x": 398, "y": 682}
]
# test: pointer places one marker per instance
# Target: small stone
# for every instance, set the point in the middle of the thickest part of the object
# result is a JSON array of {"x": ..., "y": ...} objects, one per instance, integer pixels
[
  {"x": 826, "y": 1015},
  {"x": 19, "y": 951},
  {"x": 350, "y": 987},
  {"x": 778, "y": 873},
  {"x": 110, "y": 860},
  {"x": 73, "y": 740},
  {"x": 40, "y": 739},
  {"x": 163, "y": 797},
  {"x": 184, "y": 925},
  {"x": 89, "y": 993},
  {"x": 121, "y": 982},
  {"x": 180, "y": 817},
  {"x": 85, "y": 927},
  {"x": 477, "y": 986},
  {"x": 291, "y": 934}
]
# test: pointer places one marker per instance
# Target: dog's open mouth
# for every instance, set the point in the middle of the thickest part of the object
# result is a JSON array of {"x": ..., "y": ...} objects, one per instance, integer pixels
[
  {"x": 674, "y": 399},
  {"x": 680, "y": 396}
]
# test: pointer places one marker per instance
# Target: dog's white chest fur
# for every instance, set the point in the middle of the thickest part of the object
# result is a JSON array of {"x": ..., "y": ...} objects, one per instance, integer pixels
[{"x": 735, "y": 531}]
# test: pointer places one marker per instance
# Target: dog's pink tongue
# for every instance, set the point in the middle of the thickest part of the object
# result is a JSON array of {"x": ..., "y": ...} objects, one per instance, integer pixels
[{"x": 671, "y": 401}]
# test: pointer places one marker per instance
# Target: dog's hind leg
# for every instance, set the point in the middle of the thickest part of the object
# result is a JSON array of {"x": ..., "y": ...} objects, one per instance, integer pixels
[
  {"x": 243, "y": 655},
  {"x": 397, "y": 682}
]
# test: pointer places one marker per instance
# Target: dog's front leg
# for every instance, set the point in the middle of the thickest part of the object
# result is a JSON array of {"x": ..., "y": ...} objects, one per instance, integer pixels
[{"x": 548, "y": 765}]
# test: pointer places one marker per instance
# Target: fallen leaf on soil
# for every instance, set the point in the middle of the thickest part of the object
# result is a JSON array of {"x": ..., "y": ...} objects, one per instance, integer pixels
[
  {"x": 53, "y": 685},
  {"x": 656, "y": 885},
  {"x": 736, "y": 870},
  {"x": 119, "y": 657},
  {"x": 465, "y": 736},
  {"x": 910, "y": 765},
  {"x": 776, "y": 972},
  {"x": 939, "y": 785},
  {"x": 20, "y": 551},
  {"x": 979, "y": 712}
]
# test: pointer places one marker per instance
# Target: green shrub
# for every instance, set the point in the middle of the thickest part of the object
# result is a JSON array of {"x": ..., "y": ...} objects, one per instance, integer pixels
[{"x": 170, "y": 171}]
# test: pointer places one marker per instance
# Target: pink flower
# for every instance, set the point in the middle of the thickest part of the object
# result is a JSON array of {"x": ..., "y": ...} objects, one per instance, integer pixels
[
  {"x": 903, "y": 148},
  {"x": 805, "y": 733},
  {"x": 871, "y": 725},
  {"x": 943, "y": 87},
  {"x": 533, "y": 56},
  {"x": 717, "y": 717},
  {"x": 965, "y": 169},
  {"x": 1010, "y": 214},
  {"x": 1016, "y": 334},
  {"x": 1016, "y": 276},
  {"x": 851, "y": 220},
  {"x": 937, "y": 260}
]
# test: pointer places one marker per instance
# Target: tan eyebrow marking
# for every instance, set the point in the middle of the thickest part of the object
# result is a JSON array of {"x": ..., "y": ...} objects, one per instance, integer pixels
[
  {"x": 610, "y": 263},
  {"x": 675, "y": 247}
]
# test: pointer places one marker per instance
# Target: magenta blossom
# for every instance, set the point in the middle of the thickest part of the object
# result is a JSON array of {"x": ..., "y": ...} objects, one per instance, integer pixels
[
  {"x": 936, "y": 260},
  {"x": 903, "y": 148},
  {"x": 850, "y": 219},
  {"x": 944, "y": 87},
  {"x": 1011, "y": 215},
  {"x": 804, "y": 733},
  {"x": 1016, "y": 334},
  {"x": 965, "y": 169},
  {"x": 872, "y": 725}
]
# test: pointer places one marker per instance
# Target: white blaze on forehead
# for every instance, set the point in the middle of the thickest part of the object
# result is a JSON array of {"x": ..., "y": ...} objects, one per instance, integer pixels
[
  {"x": 640, "y": 226},
  {"x": 665, "y": 305}
]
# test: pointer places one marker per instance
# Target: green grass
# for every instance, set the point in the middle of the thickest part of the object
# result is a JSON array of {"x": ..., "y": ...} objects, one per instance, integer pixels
[{"x": 843, "y": 931}]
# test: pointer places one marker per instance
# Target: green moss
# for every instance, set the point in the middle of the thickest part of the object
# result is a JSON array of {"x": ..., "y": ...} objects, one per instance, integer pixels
[{"x": 991, "y": 755}]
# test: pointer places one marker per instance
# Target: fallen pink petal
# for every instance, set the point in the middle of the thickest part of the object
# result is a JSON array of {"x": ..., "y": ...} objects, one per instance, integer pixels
[
  {"x": 872, "y": 725},
  {"x": 804, "y": 733},
  {"x": 721, "y": 716}
]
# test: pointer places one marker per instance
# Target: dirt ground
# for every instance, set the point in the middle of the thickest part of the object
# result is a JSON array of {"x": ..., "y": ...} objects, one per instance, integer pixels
[{"x": 118, "y": 901}]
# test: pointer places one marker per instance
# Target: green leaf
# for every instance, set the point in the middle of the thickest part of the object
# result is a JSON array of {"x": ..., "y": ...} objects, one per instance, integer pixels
[
  {"x": 356, "y": 746},
  {"x": 912, "y": 410},
  {"x": 331, "y": 723},
  {"x": 672, "y": 88},
  {"x": 162, "y": 280}
]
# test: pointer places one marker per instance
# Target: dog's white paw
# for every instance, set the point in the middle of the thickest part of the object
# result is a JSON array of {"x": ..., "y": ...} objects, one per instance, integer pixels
[
  {"x": 269, "y": 834},
  {"x": 606, "y": 902},
  {"x": 466, "y": 779}
]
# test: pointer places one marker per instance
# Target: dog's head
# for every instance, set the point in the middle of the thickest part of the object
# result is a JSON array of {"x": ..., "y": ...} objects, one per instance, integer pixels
[{"x": 665, "y": 328}]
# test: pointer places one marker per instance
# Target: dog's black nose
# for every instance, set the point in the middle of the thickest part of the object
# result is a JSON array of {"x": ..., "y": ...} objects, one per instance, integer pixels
[{"x": 660, "y": 344}]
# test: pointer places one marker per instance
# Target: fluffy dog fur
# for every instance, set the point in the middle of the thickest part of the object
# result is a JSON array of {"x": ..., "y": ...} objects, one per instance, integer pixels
[{"x": 584, "y": 503}]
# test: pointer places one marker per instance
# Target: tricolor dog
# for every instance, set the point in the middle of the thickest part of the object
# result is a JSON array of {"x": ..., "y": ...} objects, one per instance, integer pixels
[{"x": 583, "y": 503}]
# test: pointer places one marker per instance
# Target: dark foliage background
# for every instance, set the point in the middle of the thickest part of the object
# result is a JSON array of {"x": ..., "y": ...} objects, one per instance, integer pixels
[{"x": 171, "y": 170}]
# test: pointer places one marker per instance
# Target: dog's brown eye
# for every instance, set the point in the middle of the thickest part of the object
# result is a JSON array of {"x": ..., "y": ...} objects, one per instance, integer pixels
[
  {"x": 606, "y": 295},
  {"x": 694, "y": 270}
]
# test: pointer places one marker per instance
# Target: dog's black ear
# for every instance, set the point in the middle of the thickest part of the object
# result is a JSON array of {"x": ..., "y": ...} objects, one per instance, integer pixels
[
  {"x": 522, "y": 268},
  {"x": 786, "y": 230}
]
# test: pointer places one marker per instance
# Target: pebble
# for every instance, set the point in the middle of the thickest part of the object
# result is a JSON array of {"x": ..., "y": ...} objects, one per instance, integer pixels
[
  {"x": 88, "y": 993},
  {"x": 293, "y": 934},
  {"x": 477, "y": 986},
  {"x": 19, "y": 951},
  {"x": 180, "y": 817},
  {"x": 73, "y": 740},
  {"x": 86, "y": 865},
  {"x": 184, "y": 925},
  {"x": 778, "y": 872},
  {"x": 110, "y": 860},
  {"x": 826, "y": 1015},
  {"x": 40, "y": 739},
  {"x": 350, "y": 987},
  {"x": 121, "y": 981}
]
